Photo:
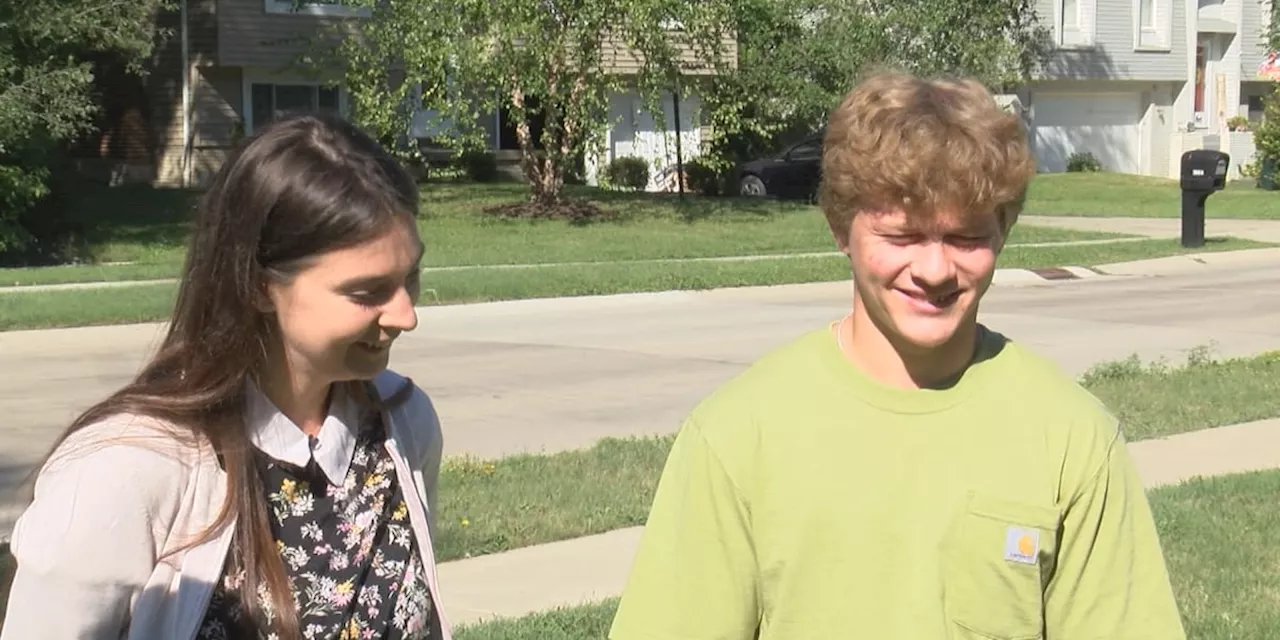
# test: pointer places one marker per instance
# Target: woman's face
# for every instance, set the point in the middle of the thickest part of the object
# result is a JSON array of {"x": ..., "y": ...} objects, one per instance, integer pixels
[{"x": 338, "y": 317}]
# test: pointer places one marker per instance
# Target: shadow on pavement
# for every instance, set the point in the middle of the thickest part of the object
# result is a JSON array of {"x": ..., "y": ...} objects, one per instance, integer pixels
[{"x": 15, "y": 485}]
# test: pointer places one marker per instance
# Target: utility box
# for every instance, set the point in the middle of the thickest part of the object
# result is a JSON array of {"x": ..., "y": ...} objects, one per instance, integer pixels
[{"x": 1204, "y": 172}]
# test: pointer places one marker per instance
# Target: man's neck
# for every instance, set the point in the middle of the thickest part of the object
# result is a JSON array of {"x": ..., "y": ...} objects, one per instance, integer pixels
[{"x": 866, "y": 345}]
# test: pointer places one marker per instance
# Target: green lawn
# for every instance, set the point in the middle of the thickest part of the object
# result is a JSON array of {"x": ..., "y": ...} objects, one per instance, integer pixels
[
  {"x": 524, "y": 500},
  {"x": 148, "y": 227},
  {"x": 1221, "y": 537},
  {"x": 1113, "y": 194}
]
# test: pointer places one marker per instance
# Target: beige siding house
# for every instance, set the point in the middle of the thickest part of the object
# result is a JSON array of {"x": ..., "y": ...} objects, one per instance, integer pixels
[{"x": 227, "y": 70}]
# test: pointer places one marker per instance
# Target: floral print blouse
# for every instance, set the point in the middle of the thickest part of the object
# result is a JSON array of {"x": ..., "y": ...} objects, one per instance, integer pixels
[{"x": 349, "y": 551}]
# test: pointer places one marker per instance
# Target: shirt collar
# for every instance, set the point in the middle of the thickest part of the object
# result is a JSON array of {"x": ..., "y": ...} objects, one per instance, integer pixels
[{"x": 271, "y": 431}]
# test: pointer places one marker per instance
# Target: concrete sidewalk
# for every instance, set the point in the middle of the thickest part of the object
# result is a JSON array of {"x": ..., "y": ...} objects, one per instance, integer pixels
[{"x": 595, "y": 568}]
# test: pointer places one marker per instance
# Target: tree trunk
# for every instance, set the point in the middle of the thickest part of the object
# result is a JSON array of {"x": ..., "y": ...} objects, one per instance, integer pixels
[
  {"x": 544, "y": 185},
  {"x": 548, "y": 183}
]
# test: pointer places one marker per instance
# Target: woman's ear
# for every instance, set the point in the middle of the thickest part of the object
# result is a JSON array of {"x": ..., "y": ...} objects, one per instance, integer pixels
[{"x": 263, "y": 299}]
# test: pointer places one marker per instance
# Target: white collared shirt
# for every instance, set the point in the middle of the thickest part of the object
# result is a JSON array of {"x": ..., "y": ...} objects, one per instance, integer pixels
[{"x": 276, "y": 435}]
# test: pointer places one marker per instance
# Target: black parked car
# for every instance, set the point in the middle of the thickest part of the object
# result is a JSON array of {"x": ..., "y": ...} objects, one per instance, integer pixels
[{"x": 792, "y": 174}]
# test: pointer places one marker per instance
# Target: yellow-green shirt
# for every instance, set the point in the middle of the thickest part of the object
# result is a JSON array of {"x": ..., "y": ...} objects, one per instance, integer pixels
[{"x": 804, "y": 500}]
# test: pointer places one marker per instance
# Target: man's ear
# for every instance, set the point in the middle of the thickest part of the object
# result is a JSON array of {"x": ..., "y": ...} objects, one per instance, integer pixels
[
  {"x": 842, "y": 237},
  {"x": 1002, "y": 238}
]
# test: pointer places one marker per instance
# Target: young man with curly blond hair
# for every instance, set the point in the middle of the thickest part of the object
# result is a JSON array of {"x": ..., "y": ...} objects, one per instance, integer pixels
[{"x": 905, "y": 473}]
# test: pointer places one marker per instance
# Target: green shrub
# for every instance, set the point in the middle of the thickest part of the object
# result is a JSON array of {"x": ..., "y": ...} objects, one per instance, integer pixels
[
  {"x": 480, "y": 166},
  {"x": 1266, "y": 136},
  {"x": 1083, "y": 162},
  {"x": 628, "y": 171},
  {"x": 703, "y": 179}
]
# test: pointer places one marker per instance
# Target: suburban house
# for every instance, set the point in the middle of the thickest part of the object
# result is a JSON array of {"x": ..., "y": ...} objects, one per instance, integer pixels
[
  {"x": 1138, "y": 82},
  {"x": 229, "y": 68}
]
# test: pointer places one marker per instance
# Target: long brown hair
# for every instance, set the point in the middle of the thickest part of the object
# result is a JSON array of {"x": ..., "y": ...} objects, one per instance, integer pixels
[{"x": 300, "y": 187}]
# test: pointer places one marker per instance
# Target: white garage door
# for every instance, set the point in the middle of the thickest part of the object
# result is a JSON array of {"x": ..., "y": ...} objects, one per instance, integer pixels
[{"x": 1104, "y": 124}]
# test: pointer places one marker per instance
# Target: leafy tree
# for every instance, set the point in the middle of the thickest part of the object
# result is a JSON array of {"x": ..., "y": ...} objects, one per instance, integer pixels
[
  {"x": 1266, "y": 135},
  {"x": 1000, "y": 42},
  {"x": 548, "y": 65},
  {"x": 46, "y": 75},
  {"x": 799, "y": 57}
]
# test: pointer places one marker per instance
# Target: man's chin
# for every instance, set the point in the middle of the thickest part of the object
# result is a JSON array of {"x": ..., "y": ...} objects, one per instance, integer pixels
[{"x": 922, "y": 335}]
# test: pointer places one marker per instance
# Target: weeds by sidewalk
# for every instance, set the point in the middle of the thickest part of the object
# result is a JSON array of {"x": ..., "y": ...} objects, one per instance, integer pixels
[
  {"x": 585, "y": 622},
  {"x": 1157, "y": 399}
]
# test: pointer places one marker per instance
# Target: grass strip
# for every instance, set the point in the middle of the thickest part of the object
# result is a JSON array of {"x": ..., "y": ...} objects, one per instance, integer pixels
[{"x": 144, "y": 303}]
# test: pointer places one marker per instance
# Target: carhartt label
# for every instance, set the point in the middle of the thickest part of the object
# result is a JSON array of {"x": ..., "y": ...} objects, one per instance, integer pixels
[{"x": 1022, "y": 545}]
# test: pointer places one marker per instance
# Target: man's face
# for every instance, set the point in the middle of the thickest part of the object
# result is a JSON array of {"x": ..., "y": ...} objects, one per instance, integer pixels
[{"x": 919, "y": 281}]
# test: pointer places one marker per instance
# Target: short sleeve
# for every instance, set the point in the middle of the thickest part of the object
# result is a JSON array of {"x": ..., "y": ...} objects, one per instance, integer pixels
[
  {"x": 694, "y": 575},
  {"x": 1111, "y": 580}
]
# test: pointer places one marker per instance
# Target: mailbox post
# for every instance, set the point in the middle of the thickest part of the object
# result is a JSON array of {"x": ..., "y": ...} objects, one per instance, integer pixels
[{"x": 1204, "y": 171}]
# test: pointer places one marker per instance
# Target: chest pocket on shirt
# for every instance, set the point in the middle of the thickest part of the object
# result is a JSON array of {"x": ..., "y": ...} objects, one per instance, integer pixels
[{"x": 996, "y": 557}]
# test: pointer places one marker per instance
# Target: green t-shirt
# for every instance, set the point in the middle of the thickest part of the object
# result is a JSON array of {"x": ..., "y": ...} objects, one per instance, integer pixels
[{"x": 805, "y": 500}]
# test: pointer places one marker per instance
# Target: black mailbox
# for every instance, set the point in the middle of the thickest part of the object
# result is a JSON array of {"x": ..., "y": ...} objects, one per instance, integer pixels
[{"x": 1204, "y": 172}]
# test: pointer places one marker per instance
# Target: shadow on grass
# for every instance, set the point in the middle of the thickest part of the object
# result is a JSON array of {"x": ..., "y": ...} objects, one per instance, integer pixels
[
  {"x": 467, "y": 200},
  {"x": 134, "y": 214}
]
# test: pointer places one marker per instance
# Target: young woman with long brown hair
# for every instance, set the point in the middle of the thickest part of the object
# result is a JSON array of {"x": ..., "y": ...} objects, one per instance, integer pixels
[{"x": 265, "y": 475}]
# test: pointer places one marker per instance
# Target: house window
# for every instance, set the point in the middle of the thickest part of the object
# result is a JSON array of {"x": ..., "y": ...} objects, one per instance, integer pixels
[
  {"x": 1152, "y": 24},
  {"x": 269, "y": 102},
  {"x": 315, "y": 9},
  {"x": 1073, "y": 23},
  {"x": 1070, "y": 14},
  {"x": 1199, "y": 90},
  {"x": 1257, "y": 105}
]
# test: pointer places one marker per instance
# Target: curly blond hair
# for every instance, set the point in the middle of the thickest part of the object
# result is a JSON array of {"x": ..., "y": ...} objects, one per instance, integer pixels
[{"x": 929, "y": 146}]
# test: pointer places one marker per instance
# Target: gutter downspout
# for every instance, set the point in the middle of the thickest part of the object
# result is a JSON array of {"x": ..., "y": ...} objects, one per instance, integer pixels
[{"x": 186, "y": 96}]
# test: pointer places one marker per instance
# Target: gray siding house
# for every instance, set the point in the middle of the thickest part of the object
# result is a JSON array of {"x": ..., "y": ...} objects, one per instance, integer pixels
[{"x": 1137, "y": 82}]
